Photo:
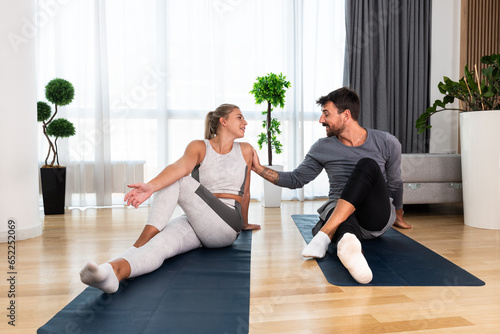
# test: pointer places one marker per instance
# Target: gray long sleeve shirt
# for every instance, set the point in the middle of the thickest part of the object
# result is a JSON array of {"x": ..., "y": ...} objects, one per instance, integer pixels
[{"x": 339, "y": 160}]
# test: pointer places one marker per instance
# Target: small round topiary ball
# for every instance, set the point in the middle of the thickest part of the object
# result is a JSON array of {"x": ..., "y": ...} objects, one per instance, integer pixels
[
  {"x": 43, "y": 111},
  {"x": 60, "y": 92},
  {"x": 61, "y": 127}
]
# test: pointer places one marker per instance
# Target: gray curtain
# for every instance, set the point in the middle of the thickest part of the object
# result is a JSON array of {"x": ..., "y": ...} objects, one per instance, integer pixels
[{"x": 387, "y": 63}]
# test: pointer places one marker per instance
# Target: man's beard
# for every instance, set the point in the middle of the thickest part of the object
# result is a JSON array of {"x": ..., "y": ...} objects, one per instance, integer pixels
[{"x": 331, "y": 132}]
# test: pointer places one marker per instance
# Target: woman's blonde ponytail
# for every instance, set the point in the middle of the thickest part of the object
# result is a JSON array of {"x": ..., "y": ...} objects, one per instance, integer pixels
[{"x": 208, "y": 125}]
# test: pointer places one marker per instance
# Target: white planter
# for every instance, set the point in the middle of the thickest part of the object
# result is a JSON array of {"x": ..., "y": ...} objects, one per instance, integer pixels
[
  {"x": 272, "y": 193},
  {"x": 480, "y": 146}
]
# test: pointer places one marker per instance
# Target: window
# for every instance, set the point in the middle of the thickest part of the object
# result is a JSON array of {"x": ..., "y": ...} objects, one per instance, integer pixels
[{"x": 147, "y": 72}]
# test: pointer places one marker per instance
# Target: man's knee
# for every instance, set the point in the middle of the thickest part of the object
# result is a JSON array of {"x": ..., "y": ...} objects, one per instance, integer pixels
[
  {"x": 367, "y": 166},
  {"x": 367, "y": 163}
]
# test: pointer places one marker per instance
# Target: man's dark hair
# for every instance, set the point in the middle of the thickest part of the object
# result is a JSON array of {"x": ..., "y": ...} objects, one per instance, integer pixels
[{"x": 343, "y": 98}]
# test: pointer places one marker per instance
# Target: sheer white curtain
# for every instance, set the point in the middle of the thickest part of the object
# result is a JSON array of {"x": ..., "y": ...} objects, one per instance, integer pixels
[{"x": 146, "y": 73}]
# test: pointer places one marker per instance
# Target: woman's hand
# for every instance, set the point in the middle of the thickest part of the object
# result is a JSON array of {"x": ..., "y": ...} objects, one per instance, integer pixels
[
  {"x": 140, "y": 193},
  {"x": 249, "y": 227}
]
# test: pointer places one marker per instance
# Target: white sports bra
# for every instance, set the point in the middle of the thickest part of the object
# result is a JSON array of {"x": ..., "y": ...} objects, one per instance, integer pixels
[{"x": 222, "y": 173}]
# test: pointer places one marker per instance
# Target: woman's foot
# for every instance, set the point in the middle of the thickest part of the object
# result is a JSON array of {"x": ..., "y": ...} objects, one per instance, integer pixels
[
  {"x": 349, "y": 253},
  {"x": 100, "y": 276}
]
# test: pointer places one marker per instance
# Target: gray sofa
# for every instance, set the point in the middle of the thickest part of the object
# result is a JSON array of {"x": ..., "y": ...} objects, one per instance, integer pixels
[{"x": 431, "y": 178}]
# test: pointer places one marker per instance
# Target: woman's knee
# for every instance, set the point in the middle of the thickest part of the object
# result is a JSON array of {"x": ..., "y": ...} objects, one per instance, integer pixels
[
  {"x": 223, "y": 238},
  {"x": 167, "y": 192},
  {"x": 188, "y": 182}
]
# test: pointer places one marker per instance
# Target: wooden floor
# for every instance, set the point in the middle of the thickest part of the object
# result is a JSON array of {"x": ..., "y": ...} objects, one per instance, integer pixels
[{"x": 288, "y": 294}]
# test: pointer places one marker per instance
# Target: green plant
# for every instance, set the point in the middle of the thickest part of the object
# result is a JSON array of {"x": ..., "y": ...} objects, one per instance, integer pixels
[
  {"x": 475, "y": 94},
  {"x": 60, "y": 92},
  {"x": 271, "y": 89}
]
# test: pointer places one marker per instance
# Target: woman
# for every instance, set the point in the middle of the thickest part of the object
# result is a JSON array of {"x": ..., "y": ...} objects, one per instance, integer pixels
[{"x": 214, "y": 198}]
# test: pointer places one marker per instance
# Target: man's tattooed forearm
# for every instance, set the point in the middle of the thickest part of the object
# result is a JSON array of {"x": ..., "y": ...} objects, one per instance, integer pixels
[{"x": 270, "y": 175}]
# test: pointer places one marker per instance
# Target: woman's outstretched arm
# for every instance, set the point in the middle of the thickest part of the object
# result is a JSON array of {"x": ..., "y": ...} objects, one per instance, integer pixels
[{"x": 193, "y": 155}]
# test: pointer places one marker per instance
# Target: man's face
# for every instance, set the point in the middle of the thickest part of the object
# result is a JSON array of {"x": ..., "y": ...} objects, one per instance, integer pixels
[{"x": 332, "y": 120}]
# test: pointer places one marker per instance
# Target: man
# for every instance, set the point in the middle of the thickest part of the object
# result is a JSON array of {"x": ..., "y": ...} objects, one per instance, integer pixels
[{"x": 366, "y": 190}]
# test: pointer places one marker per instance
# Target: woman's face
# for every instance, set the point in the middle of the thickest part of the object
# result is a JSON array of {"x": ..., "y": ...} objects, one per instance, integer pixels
[{"x": 236, "y": 123}]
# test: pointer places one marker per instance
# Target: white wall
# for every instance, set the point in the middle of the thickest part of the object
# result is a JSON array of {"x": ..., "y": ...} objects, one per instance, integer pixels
[
  {"x": 18, "y": 128},
  {"x": 445, "y": 61}
]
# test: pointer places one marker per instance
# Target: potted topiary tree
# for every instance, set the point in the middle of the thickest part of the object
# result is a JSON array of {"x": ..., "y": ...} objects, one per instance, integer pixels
[
  {"x": 271, "y": 89},
  {"x": 479, "y": 138},
  {"x": 53, "y": 176}
]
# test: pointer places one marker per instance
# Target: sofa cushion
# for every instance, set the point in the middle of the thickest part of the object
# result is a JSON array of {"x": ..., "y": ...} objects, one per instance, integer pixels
[{"x": 431, "y": 167}]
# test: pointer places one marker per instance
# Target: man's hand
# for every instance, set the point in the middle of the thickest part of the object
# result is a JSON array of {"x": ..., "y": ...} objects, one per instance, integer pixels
[
  {"x": 399, "y": 222},
  {"x": 256, "y": 166},
  {"x": 267, "y": 173}
]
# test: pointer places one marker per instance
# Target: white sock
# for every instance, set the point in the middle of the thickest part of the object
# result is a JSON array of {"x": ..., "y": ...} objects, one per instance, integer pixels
[
  {"x": 100, "y": 276},
  {"x": 318, "y": 246},
  {"x": 349, "y": 253}
]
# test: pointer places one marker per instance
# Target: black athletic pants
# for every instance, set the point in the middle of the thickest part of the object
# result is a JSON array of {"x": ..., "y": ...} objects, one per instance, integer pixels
[{"x": 366, "y": 190}]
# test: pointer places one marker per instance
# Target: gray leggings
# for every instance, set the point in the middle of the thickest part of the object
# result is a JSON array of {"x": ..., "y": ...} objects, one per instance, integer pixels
[{"x": 206, "y": 222}]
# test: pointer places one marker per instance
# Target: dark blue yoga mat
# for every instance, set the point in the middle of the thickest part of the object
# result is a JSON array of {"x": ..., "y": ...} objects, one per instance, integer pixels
[
  {"x": 202, "y": 291},
  {"x": 395, "y": 260}
]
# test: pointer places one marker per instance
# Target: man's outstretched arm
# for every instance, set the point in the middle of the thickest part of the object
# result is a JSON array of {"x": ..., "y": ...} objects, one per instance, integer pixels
[{"x": 307, "y": 171}]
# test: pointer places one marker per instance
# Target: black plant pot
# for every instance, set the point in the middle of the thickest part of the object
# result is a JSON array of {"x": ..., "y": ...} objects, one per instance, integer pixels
[{"x": 53, "y": 190}]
